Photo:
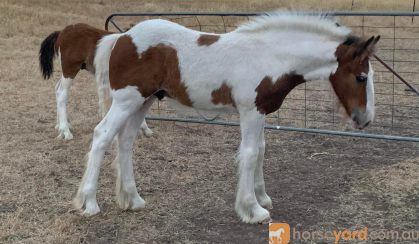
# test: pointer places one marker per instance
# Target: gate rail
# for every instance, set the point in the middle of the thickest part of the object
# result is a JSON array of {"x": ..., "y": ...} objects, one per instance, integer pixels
[
  {"x": 246, "y": 14},
  {"x": 110, "y": 20}
]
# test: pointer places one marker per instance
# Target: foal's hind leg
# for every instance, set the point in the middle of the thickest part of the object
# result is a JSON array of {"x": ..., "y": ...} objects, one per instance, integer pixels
[
  {"x": 62, "y": 89},
  {"x": 126, "y": 190},
  {"x": 260, "y": 191},
  {"x": 145, "y": 130},
  {"x": 125, "y": 102},
  {"x": 247, "y": 206}
]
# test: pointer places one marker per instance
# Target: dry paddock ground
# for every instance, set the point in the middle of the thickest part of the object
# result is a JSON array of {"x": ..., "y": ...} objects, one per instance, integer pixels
[{"x": 185, "y": 172}]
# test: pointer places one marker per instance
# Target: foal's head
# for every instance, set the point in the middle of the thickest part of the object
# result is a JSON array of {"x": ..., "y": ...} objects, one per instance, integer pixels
[{"x": 353, "y": 79}]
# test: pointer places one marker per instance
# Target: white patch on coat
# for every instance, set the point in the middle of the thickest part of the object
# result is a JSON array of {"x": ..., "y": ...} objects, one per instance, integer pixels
[{"x": 370, "y": 95}]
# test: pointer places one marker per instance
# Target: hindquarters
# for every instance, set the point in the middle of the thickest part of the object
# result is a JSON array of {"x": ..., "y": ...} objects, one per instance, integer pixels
[
  {"x": 154, "y": 70},
  {"x": 77, "y": 47}
]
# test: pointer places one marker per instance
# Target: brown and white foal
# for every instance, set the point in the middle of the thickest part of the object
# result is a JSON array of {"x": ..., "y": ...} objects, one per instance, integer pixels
[
  {"x": 250, "y": 70},
  {"x": 75, "y": 47}
]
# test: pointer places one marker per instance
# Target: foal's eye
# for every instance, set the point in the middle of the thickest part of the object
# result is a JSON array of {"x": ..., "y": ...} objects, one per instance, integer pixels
[{"x": 361, "y": 78}]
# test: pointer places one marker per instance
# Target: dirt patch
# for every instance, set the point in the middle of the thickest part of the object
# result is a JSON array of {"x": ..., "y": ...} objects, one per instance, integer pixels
[{"x": 382, "y": 199}]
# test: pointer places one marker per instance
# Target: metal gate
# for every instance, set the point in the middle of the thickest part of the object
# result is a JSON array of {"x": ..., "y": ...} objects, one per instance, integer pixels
[{"x": 311, "y": 107}]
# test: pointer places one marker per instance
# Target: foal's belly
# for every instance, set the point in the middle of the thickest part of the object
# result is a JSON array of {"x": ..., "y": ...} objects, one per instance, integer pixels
[{"x": 208, "y": 110}]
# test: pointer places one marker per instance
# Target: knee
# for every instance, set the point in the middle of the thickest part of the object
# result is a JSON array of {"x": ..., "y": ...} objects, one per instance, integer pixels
[
  {"x": 249, "y": 153},
  {"x": 58, "y": 91},
  {"x": 62, "y": 93}
]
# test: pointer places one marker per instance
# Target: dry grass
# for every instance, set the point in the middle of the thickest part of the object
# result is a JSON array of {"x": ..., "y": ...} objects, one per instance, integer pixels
[
  {"x": 38, "y": 17},
  {"x": 185, "y": 172},
  {"x": 381, "y": 199}
]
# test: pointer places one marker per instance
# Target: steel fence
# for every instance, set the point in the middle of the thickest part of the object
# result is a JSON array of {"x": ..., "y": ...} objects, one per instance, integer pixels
[{"x": 312, "y": 107}]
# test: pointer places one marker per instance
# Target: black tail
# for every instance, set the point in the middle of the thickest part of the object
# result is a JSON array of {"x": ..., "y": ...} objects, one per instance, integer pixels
[{"x": 47, "y": 53}]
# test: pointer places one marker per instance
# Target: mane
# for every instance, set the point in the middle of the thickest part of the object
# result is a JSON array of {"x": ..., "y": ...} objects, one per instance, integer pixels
[{"x": 320, "y": 23}]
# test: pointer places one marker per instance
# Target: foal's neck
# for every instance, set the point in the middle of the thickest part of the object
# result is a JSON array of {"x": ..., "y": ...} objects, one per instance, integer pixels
[{"x": 311, "y": 55}]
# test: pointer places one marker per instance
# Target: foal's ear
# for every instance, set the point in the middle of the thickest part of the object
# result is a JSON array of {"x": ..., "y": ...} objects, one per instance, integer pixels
[{"x": 367, "y": 48}]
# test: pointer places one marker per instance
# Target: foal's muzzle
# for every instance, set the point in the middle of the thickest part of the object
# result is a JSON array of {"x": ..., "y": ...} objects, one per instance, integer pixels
[{"x": 360, "y": 118}]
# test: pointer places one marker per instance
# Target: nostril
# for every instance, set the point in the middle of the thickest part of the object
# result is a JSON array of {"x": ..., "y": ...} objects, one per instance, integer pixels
[{"x": 367, "y": 124}]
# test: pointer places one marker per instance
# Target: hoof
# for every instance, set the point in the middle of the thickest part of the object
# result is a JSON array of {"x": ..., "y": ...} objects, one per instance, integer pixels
[
  {"x": 258, "y": 215},
  {"x": 66, "y": 135},
  {"x": 146, "y": 132},
  {"x": 87, "y": 208},
  {"x": 266, "y": 202},
  {"x": 266, "y": 221},
  {"x": 137, "y": 205},
  {"x": 88, "y": 212},
  {"x": 130, "y": 201}
]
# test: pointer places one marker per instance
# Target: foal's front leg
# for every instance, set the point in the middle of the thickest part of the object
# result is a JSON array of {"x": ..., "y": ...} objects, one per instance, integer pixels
[
  {"x": 247, "y": 206},
  {"x": 62, "y": 89},
  {"x": 260, "y": 191}
]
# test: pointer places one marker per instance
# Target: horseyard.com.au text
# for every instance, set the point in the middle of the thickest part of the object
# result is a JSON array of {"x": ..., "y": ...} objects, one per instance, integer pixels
[{"x": 281, "y": 233}]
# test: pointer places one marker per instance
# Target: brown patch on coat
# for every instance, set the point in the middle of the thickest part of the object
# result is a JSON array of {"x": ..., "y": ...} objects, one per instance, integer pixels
[
  {"x": 207, "y": 40},
  {"x": 223, "y": 95},
  {"x": 270, "y": 95},
  {"x": 155, "y": 69},
  {"x": 77, "y": 45}
]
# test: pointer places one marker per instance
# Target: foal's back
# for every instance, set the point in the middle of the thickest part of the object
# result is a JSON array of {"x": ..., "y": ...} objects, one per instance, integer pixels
[{"x": 198, "y": 69}]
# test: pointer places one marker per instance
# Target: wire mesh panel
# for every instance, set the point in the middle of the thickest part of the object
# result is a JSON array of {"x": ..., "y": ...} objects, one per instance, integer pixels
[{"x": 313, "y": 104}]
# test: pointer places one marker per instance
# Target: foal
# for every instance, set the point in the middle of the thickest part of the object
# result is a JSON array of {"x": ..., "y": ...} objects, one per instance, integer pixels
[
  {"x": 75, "y": 47},
  {"x": 250, "y": 70}
]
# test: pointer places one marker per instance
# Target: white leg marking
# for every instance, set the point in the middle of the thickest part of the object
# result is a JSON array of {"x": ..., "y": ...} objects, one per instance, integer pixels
[
  {"x": 126, "y": 190},
  {"x": 125, "y": 102},
  {"x": 62, "y": 89},
  {"x": 263, "y": 198},
  {"x": 147, "y": 132},
  {"x": 370, "y": 95},
  {"x": 247, "y": 207}
]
